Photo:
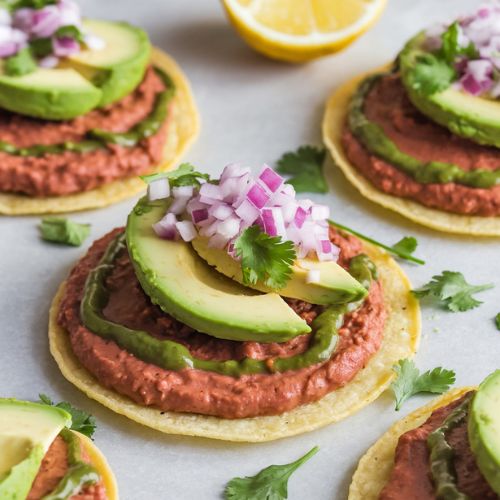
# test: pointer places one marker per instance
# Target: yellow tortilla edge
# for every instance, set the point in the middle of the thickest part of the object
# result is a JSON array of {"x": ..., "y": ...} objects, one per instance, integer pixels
[
  {"x": 333, "y": 123},
  {"x": 98, "y": 460},
  {"x": 181, "y": 133},
  {"x": 375, "y": 466},
  {"x": 401, "y": 340}
]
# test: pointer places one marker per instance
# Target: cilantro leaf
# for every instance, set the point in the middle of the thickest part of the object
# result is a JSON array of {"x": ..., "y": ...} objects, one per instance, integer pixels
[
  {"x": 70, "y": 31},
  {"x": 270, "y": 483},
  {"x": 497, "y": 321},
  {"x": 409, "y": 381},
  {"x": 21, "y": 63},
  {"x": 400, "y": 249},
  {"x": 264, "y": 258},
  {"x": 431, "y": 74},
  {"x": 31, "y": 4},
  {"x": 406, "y": 245},
  {"x": 184, "y": 175},
  {"x": 451, "y": 49},
  {"x": 60, "y": 230},
  {"x": 452, "y": 291},
  {"x": 305, "y": 166},
  {"x": 82, "y": 421}
]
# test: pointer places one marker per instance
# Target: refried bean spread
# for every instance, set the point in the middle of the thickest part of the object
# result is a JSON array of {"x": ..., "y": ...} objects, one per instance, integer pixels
[
  {"x": 388, "y": 105},
  {"x": 205, "y": 392}
]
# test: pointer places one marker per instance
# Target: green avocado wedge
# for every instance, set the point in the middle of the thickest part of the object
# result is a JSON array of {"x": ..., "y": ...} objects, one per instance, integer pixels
[
  {"x": 484, "y": 429},
  {"x": 52, "y": 94},
  {"x": 336, "y": 285},
  {"x": 186, "y": 287},
  {"x": 119, "y": 67},
  {"x": 472, "y": 117},
  {"x": 26, "y": 433},
  {"x": 90, "y": 79}
]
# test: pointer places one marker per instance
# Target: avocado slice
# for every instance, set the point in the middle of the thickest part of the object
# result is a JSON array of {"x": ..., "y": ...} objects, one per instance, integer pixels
[
  {"x": 186, "y": 287},
  {"x": 484, "y": 429},
  {"x": 465, "y": 115},
  {"x": 26, "y": 433},
  {"x": 84, "y": 81},
  {"x": 336, "y": 285},
  {"x": 52, "y": 94},
  {"x": 119, "y": 67}
]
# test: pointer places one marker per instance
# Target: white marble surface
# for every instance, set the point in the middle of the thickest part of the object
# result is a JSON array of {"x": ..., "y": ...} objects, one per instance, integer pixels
[{"x": 252, "y": 111}]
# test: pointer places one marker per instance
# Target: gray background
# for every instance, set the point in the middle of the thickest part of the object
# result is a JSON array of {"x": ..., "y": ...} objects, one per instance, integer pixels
[{"x": 253, "y": 110}]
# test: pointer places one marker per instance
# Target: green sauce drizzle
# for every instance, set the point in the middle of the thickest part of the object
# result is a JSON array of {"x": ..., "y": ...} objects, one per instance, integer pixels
[
  {"x": 171, "y": 355},
  {"x": 441, "y": 455},
  {"x": 80, "y": 474},
  {"x": 99, "y": 138},
  {"x": 374, "y": 139}
]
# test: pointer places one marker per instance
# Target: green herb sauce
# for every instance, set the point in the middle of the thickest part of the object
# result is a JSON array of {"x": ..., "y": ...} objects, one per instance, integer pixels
[
  {"x": 171, "y": 355},
  {"x": 441, "y": 455},
  {"x": 374, "y": 139},
  {"x": 80, "y": 474},
  {"x": 99, "y": 139}
]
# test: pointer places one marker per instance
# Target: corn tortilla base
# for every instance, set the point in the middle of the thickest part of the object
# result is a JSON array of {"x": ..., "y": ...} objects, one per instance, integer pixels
[
  {"x": 333, "y": 124},
  {"x": 182, "y": 131},
  {"x": 401, "y": 338},
  {"x": 375, "y": 466},
  {"x": 100, "y": 463}
]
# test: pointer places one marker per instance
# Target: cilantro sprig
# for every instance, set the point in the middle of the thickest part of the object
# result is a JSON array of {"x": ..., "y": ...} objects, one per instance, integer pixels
[
  {"x": 409, "y": 381},
  {"x": 64, "y": 231},
  {"x": 402, "y": 249},
  {"x": 184, "y": 175},
  {"x": 270, "y": 483},
  {"x": 82, "y": 421},
  {"x": 451, "y": 290},
  {"x": 305, "y": 168},
  {"x": 264, "y": 258}
]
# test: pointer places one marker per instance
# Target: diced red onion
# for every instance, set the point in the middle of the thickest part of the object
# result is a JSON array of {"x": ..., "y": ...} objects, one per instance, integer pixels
[
  {"x": 257, "y": 196},
  {"x": 23, "y": 19},
  {"x": 247, "y": 212},
  {"x": 313, "y": 276},
  {"x": 183, "y": 192},
  {"x": 199, "y": 215},
  {"x": 300, "y": 217},
  {"x": 221, "y": 211},
  {"x": 45, "y": 21},
  {"x": 48, "y": 62},
  {"x": 195, "y": 204},
  {"x": 289, "y": 211},
  {"x": 8, "y": 49},
  {"x": 69, "y": 12},
  {"x": 217, "y": 241},
  {"x": 274, "y": 224},
  {"x": 5, "y": 17},
  {"x": 178, "y": 205},
  {"x": 320, "y": 212},
  {"x": 158, "y": 189},
  {"x": 210, "y": 191},
  {"x": 229, "y": 228},
  {"x": 270, "y": 179},
  {"x": 165, "y": 228},
  {"x": 209, "y": 230},
  {"x": 65, "y": 46},
  {"x": 186, "y": 230},
  {"x": 233, "y": 170}
]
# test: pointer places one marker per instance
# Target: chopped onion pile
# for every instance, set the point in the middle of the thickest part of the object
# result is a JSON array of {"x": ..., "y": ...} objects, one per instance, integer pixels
[
  {"x": 479, "y": 76},
  {"x": 221, "y": 212},
  {"x": 21, "y": 27}
]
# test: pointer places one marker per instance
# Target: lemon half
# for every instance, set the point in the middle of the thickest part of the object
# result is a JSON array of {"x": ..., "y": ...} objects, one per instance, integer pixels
[{"x": 300, "y": 30}]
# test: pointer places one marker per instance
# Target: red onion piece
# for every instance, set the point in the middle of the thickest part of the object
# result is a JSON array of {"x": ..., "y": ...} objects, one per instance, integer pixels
[
  {"x": 257, "y": 196},
  {"x": 270, "y": 179},
  {"x": 65, "y": 46},
  {"x": 45, "y": 21},
  {"x": 186, "y": 230},
  {"x": 199, "y": 215},
  {"x": 221, "y": 211},
  {"x": 247, "y": 213},
  {"x": 158, "y": 189}
]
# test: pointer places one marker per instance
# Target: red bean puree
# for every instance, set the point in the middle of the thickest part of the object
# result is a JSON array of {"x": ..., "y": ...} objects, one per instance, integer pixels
[
  {"x": 204, "y": 392},
  {"x": 388, "y": 105},
  {"x": 74, "y": 172},
  {"x": 411, "y": 478}
]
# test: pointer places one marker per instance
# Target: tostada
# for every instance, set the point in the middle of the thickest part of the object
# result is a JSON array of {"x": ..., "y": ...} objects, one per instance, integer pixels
[
  {"x": 43, "y": 458},
  {"x": 228, "y": 308},
  {"x": 85, "y": 107},
  {"x": 421, "y": 137},
  {"x": 447, "y": 449}
]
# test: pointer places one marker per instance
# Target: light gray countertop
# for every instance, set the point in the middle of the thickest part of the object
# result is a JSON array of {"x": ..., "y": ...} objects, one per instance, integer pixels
[{"x": 252, "y": 110}]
